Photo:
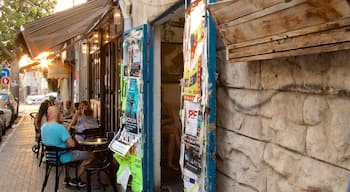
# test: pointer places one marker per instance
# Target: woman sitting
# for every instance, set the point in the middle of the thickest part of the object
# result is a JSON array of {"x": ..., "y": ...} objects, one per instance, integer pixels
[
  {"x": 84, "y": 122},
  {"x": 41, "y": 117}
]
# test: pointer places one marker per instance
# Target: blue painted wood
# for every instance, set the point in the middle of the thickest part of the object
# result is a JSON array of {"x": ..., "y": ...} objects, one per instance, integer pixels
[
  {"x": 148, "y": 84},
  {"x": 211, "y": 135}
]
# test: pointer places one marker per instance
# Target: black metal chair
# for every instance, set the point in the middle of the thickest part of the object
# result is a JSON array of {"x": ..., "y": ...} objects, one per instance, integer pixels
[
  {"x": 101, "y": 164},
  {"x": 52, "y": 155},
  {"x": 37, "y": 146}
]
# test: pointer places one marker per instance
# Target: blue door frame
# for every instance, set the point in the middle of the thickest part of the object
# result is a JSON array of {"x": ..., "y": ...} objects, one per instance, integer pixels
[{"x": 211, "y": 135}]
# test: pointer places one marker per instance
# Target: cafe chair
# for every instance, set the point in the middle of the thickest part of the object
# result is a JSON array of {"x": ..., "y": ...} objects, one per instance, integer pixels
[
  {"x": 52, "y": 155},
  {"x": 102, "y": 164},
  {"x": 36, "y": 147}
]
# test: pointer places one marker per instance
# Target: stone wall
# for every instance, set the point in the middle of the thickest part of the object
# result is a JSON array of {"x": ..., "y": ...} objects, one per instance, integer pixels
[
  {"x": 145, "y": 11},
  {"x": 284, "y": 124}
]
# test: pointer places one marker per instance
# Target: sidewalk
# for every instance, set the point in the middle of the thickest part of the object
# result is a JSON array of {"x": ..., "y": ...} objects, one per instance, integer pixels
[{"x": 19, "y": 169}]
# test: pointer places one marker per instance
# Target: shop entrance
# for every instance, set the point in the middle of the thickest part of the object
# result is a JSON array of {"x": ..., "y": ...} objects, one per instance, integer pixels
[{"x": 171, "y": 62}]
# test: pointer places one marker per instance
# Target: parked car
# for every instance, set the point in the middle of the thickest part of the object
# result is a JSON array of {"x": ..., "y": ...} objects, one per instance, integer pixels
[
  {"x": 10, "y": 103},
  {"x": 49, "y": 95},
  {"x": 6, "y": 117},
  {"x": 35, "y": 99},
  {"x": 2, "y": 127}
]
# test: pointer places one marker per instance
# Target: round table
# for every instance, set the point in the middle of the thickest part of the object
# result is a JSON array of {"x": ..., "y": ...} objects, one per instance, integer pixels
[{"x": 94, "y": 141}]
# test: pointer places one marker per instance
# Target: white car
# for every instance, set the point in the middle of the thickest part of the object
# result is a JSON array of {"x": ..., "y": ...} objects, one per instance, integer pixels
[
  {"x": 35, "y": 99},
  {"x": 51, "y": 94}
]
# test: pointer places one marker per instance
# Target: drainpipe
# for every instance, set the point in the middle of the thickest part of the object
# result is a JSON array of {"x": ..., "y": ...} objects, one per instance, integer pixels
[{"x": 125, "y": 8}]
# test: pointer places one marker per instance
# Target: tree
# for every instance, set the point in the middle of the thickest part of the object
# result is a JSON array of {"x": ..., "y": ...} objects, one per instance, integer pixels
[{"x": 13, "y": 14}]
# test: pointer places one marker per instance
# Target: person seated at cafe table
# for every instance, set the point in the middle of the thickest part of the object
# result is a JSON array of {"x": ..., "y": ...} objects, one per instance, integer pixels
[
  {"x": 68, "y": 112},
  {"x": 85, "y": 121},
  {"x": 78, "y": 113},
  {"x": 55, "y": 134}
]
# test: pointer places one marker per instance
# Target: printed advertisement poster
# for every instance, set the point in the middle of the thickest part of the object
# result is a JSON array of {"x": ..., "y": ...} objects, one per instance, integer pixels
[
  {"x": 135, "y": 58},
  {"x": 132, "y": 98},
  {"x": 192, "y": 154},
  {"x": 123, "y": 141},
  {"x": 190, "y": 181},
  {"x": 128, "y": 138},
  {"x": 191, "y": 122},
  {"x": 193, "y": 50},
  {"x": 130, "y": 169}
]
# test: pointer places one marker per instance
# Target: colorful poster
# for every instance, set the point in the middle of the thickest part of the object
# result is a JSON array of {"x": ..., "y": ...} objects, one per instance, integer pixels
[
  {"x": 132, "y": 98},
  {"x": 134, "y": 163},
  {"x": 123, "y": 141},
  {"x": 192, "y": 137},
  {"x": 135, "y": 65},
  {"x": 127, "y": 144},
  {"x": 191, "y": 122},
  {"x": 190, "y": 181},
  {"x": 192, "y": 154},
  {"x": 193, "y": 50}
]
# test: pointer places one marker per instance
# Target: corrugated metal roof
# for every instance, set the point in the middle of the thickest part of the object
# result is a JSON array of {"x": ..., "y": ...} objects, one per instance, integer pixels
[{"x": 48, "y": 32}]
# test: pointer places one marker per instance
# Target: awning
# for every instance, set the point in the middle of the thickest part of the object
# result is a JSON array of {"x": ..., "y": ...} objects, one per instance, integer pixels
[
  {"x": 58, "y": 70},
  {"x": 266, "y": 29},
  {"x": 46, "y": 33}
]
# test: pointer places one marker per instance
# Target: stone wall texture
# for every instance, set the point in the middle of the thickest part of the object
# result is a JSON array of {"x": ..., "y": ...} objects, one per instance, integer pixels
[{"x": 284, "y": 124}]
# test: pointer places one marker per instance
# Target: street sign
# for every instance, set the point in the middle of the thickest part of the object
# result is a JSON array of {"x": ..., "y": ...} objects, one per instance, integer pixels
[
  {"x": 5, "y": 81},
  {"x": 5, "y": 72}
]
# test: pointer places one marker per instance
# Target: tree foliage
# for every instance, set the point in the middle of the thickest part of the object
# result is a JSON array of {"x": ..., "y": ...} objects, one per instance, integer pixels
[{"x": 14, "y": 14}]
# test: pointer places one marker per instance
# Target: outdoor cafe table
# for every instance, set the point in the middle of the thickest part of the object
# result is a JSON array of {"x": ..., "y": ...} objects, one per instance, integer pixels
[{"x": 94, "y": 141}]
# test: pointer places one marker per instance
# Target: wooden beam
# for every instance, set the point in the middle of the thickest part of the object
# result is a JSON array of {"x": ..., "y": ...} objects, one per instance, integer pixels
[
  {"x": 226, "y": 11},
  {"x": 313, "y": 29},
  {"x": 309, "y": 40},
  {"x": 303, "y": 15},
  {"x": 303, "y": 51}
]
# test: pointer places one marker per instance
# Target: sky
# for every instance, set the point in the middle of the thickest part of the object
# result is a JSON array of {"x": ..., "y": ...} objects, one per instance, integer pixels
[{"x": 65, "y": 4}]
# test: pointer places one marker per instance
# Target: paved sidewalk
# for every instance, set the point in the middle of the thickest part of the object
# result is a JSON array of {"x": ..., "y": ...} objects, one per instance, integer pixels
[{"x": 19, "y": 169}]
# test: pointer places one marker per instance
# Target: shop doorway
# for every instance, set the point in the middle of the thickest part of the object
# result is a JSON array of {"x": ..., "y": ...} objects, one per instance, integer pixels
[{"x": 171, "y": 62}]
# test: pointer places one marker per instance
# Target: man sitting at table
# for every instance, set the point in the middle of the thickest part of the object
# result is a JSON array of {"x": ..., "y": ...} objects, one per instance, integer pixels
[{"x": 55, "y": 134}]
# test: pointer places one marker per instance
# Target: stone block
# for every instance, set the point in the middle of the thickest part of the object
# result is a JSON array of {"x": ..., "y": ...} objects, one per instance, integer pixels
[
  {"x": 276, "y": 73},
  {"x": 276, "y": 183},
  {"x": 289, "y": 105},
  {"x": 241, "y": 159},
  {"x": 235, "y": 120},
  {"x": 340, "y": 127},
  {"x": 338, "y": 76},
  {"x": 289, "y": 134},
  {"x": 224, "y": 183},
  {"x": 311, "y": 71},
  {"x": 318, "y": 143},
  {"x": 315, "y": 110},
  {"x": 240, "y": 75},
  {"x": 305, "y": 173}
]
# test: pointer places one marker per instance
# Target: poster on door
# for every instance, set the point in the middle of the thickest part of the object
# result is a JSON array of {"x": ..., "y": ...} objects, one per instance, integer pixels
[
  {"x": 129, "y": 136},
  {"x": 192, "y": 137},
  {"x": 192, "y": 157},
  {"x": 193, "y": 48}
]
